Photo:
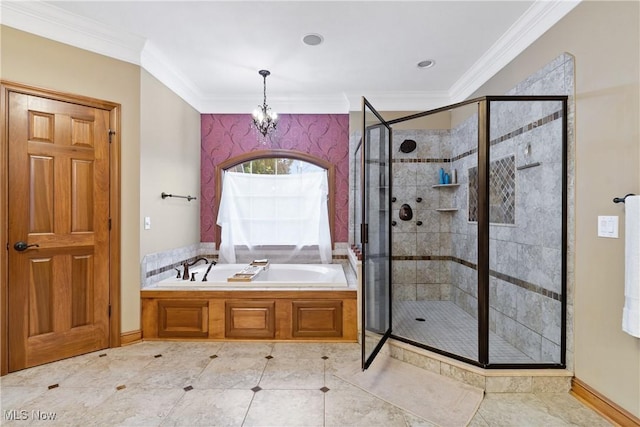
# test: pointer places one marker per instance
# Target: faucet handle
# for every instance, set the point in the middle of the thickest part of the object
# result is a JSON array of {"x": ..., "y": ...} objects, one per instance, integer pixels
[
  {"x": 193, "y": 276},
  {"x": 178, "y": 270}
]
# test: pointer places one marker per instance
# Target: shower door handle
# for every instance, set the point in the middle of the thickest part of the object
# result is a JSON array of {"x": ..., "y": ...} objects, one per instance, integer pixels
[{"x": 364, "y": 233}]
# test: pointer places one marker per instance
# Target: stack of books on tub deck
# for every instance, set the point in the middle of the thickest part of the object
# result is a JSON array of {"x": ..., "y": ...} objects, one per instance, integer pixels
[{"x": 248, "y": 273}]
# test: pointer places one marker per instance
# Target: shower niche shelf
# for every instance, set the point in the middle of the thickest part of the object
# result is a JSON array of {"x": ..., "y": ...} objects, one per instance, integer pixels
[{"x": 439, "y": 186}]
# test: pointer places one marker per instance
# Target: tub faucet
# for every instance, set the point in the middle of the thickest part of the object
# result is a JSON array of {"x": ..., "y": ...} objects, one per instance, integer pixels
[
  {"x": 186, "y": 265},
  {"x": 204, "y": 279}
]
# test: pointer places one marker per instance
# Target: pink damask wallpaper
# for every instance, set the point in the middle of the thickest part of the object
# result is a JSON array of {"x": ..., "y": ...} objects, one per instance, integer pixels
[{"x": 227, "y": 135}]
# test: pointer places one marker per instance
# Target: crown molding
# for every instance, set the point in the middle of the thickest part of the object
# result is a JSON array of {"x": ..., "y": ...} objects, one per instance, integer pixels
[
  {"x": 538, "y": 19},
  {"x": 48, "y": 21},
  {"x": 311, "y": 104},
  {"x": 53, "y": 23},
  {"x": 400, "y": 101},
  {"x": 160, "y": 67}
]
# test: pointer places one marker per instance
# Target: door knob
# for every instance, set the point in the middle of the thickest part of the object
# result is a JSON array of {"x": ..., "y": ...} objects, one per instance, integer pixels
[{"x": 22, "y": 246}]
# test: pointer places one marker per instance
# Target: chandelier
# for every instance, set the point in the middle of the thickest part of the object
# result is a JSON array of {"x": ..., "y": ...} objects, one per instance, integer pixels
[{"x": 264, "y": 119}]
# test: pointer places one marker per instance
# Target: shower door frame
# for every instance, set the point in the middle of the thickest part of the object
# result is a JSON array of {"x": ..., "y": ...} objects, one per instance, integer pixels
[
  {"x": 367, "y": 359},
  {"x": 483, "y": 230}
]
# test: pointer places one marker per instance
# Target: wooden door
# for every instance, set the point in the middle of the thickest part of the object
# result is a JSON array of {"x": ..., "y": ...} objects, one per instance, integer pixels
[{"x": 58, "y": 205}]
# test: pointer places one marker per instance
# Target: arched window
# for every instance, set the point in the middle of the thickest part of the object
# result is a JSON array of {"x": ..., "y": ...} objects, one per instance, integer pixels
[{"x": 275, "y": 204}]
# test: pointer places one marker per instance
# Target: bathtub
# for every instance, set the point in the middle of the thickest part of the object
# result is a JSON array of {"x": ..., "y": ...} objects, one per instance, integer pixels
[{"x": 289, "y": 276}]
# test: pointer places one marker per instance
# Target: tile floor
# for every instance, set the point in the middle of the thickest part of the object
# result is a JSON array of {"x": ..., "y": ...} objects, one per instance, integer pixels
[
  {"x": 448, "y": 327},
  {"x": 236, "y": 384}
]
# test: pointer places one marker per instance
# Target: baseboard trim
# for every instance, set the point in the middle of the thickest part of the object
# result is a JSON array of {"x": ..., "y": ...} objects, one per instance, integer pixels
[
  {"x": 130, "y": 337},
  {"x": 605, "y": 407}
]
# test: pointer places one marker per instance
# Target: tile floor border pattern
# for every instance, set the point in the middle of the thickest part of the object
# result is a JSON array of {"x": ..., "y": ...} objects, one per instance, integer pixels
[{"x": 162, "y": 383}]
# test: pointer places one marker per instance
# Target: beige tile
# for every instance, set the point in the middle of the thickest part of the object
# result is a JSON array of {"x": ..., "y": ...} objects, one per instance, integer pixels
[
  {"x": 192, "y": 349},
  {"x": 145, "y": 348},
  {"x": 131, "y": 407},
  {"x": 508, "y": 385},
  {"x": 414, "y": 421},
  {"x": 569, "y": 409},
  {"x": 465, "y": 376},
  {"x": 66, "y": 406},
  {"x": 169, "y": 372},
  {"x": 251, "y": 349},
  {"x": 48, "y": 374},
  {"x": 286, "y": 408},
  {"x": 551, "y": 384},
  {"x": 351, "y": 406},
  {"x": 15, "y": 397},
  {"x": 107, "y": 372},
  {"x": 293, "y": 374},
  {"x": 421, "y": 361},
  {"x": 210, "y": 408},
  {"x": 298, "y": 350},
  {"x": 231, "y": 373},
  {"x": 524, "y": 410}
]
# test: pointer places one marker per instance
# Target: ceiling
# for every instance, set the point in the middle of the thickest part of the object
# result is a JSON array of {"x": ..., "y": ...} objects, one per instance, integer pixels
[{"x": 209, "y": 52}]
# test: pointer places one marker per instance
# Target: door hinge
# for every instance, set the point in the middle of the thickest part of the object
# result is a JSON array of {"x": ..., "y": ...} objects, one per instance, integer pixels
[
  {"x": 111, "y": 133},
  {"x": 109, "y": 224},
  {"x": 109, "y": 310}
]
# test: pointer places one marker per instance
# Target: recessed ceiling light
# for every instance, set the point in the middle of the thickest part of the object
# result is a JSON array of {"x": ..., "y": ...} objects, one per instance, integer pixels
[
  {"x": 427, "y": 63},
  {"x": 312, "y": 39}
]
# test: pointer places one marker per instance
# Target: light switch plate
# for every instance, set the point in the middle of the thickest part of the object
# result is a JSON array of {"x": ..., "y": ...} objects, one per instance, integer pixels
[
  {"x": 608, "y": 226},
  {"x": 147, "y": 223}
]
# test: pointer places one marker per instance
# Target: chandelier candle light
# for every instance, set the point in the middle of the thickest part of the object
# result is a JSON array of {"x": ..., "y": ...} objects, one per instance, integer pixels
[{"x": 265, "y": 119}]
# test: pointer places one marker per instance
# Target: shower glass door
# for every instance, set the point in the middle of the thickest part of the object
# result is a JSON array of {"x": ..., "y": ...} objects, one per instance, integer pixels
[{"x": 376, "y": 233}]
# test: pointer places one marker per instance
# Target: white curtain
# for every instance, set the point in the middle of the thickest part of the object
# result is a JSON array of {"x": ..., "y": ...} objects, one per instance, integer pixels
[{"x": 275, "y": 211}]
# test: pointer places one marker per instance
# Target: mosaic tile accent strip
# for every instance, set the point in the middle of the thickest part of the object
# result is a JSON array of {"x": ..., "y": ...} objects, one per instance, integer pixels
[
  {"x": 502, "y": 191},
  {"x": 526, "y": 128}
]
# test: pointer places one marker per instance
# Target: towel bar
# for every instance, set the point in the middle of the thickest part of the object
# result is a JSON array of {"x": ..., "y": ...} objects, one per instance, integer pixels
[
  {"x": 189, "y": 198},
  {"x": 622, "y": 199}
]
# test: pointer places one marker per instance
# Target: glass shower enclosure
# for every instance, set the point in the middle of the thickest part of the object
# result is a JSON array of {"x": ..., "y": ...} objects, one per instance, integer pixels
[{"x": 477, "y": 271}]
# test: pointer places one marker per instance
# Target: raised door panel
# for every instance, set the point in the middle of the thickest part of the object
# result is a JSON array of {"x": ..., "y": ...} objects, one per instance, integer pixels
[
  {"x": 250, "y": 319},
  {"x": 317, "y": 319},
  {"x": 188, "y": 318}
]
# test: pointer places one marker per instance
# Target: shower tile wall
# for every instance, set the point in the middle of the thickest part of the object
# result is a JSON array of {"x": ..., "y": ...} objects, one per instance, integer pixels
[
  {"x": 419, "y": 271},
  {"x": 437, "y": 261}
]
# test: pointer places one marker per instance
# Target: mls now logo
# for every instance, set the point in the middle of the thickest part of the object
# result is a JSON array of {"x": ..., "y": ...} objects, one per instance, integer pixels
[
  {"x": 16, "y": 415},
  {"x": 23, "y": 415}
]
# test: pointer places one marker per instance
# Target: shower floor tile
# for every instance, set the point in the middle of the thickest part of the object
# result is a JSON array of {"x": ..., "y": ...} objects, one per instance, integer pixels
[{"x": 449, "y": 328}]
